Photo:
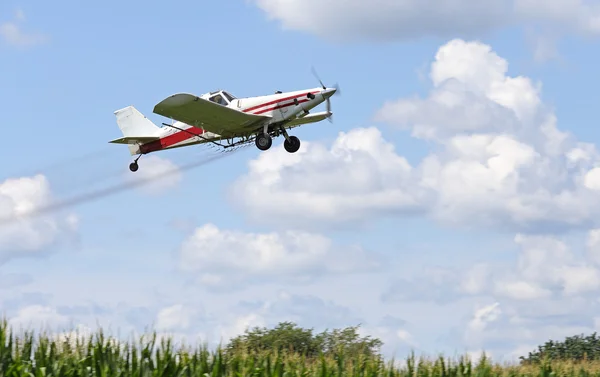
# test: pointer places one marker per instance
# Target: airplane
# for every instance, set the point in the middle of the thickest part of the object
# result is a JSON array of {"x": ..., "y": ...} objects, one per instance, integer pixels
[{"x": 218, "y": 115}]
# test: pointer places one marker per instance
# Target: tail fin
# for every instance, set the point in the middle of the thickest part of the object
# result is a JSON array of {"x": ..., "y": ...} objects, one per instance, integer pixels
[{"x": 136, "y": 129}]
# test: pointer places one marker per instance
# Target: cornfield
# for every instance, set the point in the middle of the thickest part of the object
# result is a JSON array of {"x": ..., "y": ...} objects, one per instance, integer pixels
[{"x": 47, "y": 355}]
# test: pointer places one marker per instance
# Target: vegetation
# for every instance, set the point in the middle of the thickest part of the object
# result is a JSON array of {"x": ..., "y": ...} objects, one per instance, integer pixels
[
  {"x": 340, "y": 353},
  {"x": 575, "y": 347},
  {"x": 289, "y": 337}
]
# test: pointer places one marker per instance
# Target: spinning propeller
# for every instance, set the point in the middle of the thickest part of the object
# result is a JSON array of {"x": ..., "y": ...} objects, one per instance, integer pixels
[{"x": 337, "y": 92}]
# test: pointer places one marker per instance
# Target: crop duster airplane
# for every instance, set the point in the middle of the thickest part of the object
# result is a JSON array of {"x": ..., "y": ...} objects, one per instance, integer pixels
[{"x": 219, "y": 116}]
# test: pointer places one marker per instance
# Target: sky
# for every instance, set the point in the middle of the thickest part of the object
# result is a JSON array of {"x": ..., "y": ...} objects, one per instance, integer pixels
[{"x": 450, "y": 207}]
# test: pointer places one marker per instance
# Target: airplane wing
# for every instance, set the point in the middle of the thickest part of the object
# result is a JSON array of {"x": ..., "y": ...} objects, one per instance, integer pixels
[
  {"x": 310, "y": 118},
  {"x": 210, "y": 116}
]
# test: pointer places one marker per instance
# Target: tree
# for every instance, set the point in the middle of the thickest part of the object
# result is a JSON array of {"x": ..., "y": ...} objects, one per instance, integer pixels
[
  {"x": 349, "y": 341},
  {"x": 575, "y": 347},
  {"x": 287, "y": 336}
]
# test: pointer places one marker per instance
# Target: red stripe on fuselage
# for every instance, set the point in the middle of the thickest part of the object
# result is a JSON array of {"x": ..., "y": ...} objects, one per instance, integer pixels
[
  {"x": 171, "y": 140},
  {"x": 277, "y": 101},
  {"x": 280, "y": 106}
]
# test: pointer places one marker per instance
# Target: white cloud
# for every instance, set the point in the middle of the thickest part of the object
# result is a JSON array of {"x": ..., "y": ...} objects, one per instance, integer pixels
[
  {"x": 406, "y": 337},
  {"x": 232, "y": 258},
  {"x": 160, "y": 175},
  {"x": 359, "y": 176},
  {"x": 22, "y": 234},
  {"x": 471, "y": 92},
  {"x": 546, "y": 267},
  {"x": 403, "y": 19},
  {"x": 593, "y": 245},
  {"x": 548, "y": 292},
  {"x": 591, "y": 179},
  {"x": 38, "y": 317},
  {"x": 499, "y": 160},
  {"x": 173, "y": 318},
  {"x": 13, "y": 34},
  {"x": 475, "y": 279},
  {"x": 521, "y": 290},
  {"x": 549, "y": 262}
]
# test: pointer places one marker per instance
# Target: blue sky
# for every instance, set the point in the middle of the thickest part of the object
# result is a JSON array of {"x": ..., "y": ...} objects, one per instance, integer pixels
[{"x": 443, "y": 209}]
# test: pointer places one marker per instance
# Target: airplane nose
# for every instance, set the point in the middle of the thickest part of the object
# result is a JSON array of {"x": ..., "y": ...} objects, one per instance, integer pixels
[{"x": 329, "y": 92}]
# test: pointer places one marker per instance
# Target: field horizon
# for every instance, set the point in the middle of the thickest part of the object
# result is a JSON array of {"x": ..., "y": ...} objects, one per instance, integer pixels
[{"x": 75, "y": 353}]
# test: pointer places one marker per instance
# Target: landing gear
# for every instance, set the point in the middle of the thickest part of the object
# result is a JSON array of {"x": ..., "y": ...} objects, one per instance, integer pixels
[
  {"x": 291, "y": 144},
  {"x": 134, "y": 165},
  {"x": 263, "y": 141}
]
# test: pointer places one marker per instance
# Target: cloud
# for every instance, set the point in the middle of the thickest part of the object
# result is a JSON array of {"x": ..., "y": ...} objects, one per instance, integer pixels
[
  {"x": 358, "y": 178},
  {"x": 407, "y": 19},
  {"x": 545, "y": 268},
  {"x": 228, "y": 259},
  {"x": 498, "y": 160},
  {"x": 547, "y": 289},
  {"x": 13, "y": 34},
  {"x": 471, "y": 93},
  {"x": 174, "y": 317},
  {"x": 30, "y": 236},
  {"x": 38, "y": 317}
]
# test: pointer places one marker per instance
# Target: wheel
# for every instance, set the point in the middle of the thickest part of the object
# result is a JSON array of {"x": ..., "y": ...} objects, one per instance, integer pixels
[
  {"x": 133, "y": 166},
  {"x": 263, "y": 141},
  {"x": 293, "y": 145}
]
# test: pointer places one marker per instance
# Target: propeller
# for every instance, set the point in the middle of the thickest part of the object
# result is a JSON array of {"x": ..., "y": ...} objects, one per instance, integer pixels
[{"x": 337, "y": 92}]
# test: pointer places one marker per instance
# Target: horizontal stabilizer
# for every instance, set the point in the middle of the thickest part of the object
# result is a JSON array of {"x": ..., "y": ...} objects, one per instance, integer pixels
[{"x": 134, "y": 139}]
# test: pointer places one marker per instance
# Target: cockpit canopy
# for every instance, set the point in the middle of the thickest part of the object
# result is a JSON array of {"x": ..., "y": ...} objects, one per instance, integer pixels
[{"x": 221, "y": 97}]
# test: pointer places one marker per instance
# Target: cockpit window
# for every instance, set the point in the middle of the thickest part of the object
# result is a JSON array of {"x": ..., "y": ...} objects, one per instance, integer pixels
[
  {"x": 219, "y": 99},
  {"x": 228, "y": 96}
]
